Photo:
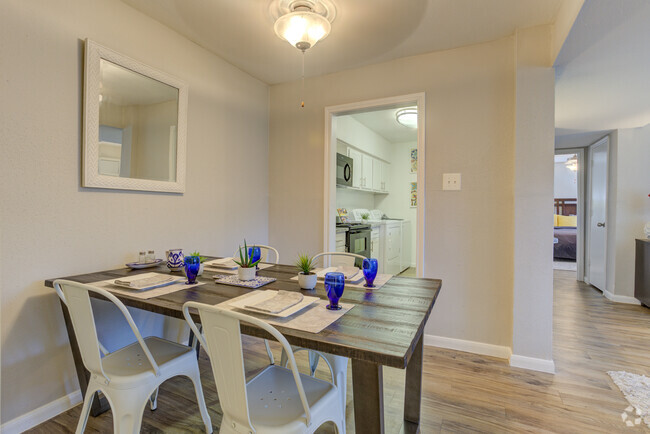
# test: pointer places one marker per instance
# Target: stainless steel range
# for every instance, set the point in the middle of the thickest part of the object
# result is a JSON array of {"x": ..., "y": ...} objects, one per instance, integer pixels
[{"x": 357, "y": 239}]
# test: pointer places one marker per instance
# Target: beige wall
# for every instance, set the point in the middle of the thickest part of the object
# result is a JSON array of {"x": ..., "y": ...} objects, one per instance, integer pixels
[
  {"x": 631, "y": 204},
  {"x": 52, "y": 227},
  {"x": 533, "y": 238},
  {"x": 470, "y": 123}
]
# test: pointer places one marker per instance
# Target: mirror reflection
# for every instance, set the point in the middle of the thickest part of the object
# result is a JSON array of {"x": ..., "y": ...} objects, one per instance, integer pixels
[{"x": 138, "y": 123}]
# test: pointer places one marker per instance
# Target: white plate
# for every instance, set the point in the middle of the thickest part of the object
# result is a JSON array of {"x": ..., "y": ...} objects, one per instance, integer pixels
[{"x": 259, "y": 296}]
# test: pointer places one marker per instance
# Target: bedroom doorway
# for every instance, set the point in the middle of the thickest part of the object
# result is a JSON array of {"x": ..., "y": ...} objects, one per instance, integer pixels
[{"x": 568, "y": 212}]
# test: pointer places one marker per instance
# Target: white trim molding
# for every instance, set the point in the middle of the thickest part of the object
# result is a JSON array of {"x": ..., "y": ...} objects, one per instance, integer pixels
[
  {"x": 329, "y": 205},
  {"x": 499, "y": 351},
  {"x": 41, "y": 414},
  {"x": 620, "y": 298},
  {"x": 532, "y": 363}
]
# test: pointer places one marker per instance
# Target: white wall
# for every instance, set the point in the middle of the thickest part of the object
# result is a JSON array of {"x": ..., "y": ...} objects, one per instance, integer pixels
[
  {"x": 52, "y": 227},
  {"x": 470, "y": 123},
  {"x": 565, "y": 184},
  {"x": 351, "y": 199},
  {"x": 631, "y": 204},
  {"x": 397, "y": 204}
]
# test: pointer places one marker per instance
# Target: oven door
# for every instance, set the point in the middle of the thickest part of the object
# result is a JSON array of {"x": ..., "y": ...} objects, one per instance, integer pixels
[
  {"x": 343, "y": 170},
  {"x": 359, "y": 243}
]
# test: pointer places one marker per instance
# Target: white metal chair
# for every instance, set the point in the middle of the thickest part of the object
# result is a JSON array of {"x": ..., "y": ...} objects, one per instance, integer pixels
[
  {"x": 348, "y": 259},
  {"x": 130, "y": 376},
  {"x": 276, "y": 401},
  {"x": 264, "y": 250}
]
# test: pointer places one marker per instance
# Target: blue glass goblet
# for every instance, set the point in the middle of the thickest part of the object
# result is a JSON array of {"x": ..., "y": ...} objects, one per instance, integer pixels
[
  {"x": 334, "y": 285},
  {"x": 370, "y": 267},
  {"x": 192, "y": 266},
  {"x": 255, "y": 253}
]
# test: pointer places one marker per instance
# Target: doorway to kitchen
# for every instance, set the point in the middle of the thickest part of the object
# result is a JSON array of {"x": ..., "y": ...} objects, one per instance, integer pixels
[{"x": 374, "y": 182}]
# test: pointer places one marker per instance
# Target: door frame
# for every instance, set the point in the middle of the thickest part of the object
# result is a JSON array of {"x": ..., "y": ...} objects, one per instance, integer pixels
[
  {"x": 329, "y": 193},
  {"x": 604, "y": 140},
  {"x": 580, "y": 201}
]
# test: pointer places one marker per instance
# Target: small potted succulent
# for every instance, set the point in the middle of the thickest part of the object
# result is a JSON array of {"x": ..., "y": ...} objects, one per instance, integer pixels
[
  {"x": 306, "y": 279},
  {"x": 246, "y": 270},
  {"x": 365, "y": 216},
  {"x": 201, "y": 258}
]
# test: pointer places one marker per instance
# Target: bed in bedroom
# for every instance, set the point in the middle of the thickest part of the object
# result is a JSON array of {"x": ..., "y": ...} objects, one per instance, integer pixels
[{"x": 565, "y": 231}]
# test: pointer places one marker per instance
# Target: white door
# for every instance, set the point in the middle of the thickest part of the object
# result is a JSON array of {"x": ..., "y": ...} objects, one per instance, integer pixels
[{"x": 598, "y": 214}]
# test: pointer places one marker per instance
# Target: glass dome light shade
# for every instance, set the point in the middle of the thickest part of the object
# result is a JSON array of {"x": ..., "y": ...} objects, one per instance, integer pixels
[
  {"x": 302, "y": 29},
  {"x": 407, "y": 117}
]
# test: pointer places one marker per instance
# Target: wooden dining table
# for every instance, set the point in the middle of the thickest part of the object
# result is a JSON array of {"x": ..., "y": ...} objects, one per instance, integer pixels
[{"x": 385, "y": 328}]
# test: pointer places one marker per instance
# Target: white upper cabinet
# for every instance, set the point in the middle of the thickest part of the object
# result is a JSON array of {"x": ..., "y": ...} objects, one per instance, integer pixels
[
  {"x": 357, "y": 162},
  {"x": 377, "y": 169},
  {"x": 368, "y": 172},
  {"x": 366, "y": 167}
]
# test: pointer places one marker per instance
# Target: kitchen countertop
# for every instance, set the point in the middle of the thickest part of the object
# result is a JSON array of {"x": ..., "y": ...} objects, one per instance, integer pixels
[{"x": 341, "y": 230}]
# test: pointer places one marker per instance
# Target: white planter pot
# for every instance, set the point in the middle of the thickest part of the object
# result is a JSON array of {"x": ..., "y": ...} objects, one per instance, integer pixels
[
  {"x": 307, "y": 281},
  {"x": 246, "y": 273}
]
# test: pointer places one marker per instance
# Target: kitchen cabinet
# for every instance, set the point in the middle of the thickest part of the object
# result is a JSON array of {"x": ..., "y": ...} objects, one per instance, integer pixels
[
  {"x": 357, "y": 163},
  {"x": 366, "y": 170},
  {"x": 377, "y": 168},
  {"x": 385, "y": 176},
  {"x": 340, "y": 241},
  {"x": 405, "y": 260},
  {"x": 393, "y": 248},
  {"x": 374, "y": 243}
]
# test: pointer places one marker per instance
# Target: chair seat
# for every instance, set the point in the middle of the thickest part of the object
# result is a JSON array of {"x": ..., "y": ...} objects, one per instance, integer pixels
[
  {"x": 131, "y": 361},
  {"x": 274, "y": 403}
]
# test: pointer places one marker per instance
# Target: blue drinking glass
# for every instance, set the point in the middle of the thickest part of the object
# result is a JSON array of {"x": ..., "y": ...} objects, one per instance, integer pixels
[
  {"x": 334, "y": 285},
  {"x": 192, "y": 266},
  {"x": 370, "y": 267},
  {"x": 255, "y": 253}
]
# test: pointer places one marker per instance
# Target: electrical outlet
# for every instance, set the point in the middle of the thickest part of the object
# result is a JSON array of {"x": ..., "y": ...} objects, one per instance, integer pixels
[{"x": 451, "y": 181}]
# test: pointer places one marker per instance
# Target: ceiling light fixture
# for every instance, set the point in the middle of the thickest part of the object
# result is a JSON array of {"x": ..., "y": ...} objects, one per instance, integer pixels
[
  {"x": 408, "y": 117},
  {"x": 302, "y": 23}
]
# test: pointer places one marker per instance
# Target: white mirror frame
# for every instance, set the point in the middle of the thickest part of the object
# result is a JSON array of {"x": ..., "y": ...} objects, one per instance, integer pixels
[{"x": 90, "y": 161}]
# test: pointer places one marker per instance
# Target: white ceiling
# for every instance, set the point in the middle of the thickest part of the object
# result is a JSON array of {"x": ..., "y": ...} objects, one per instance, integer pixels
[
  {"x": 384, "y": 123},
  {"x": 364, "y": 31},
  {"x": 603, "y": 72}
]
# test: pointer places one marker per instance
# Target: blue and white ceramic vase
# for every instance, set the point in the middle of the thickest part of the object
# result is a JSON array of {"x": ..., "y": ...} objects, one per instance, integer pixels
[{"x": 175, "y": 259}]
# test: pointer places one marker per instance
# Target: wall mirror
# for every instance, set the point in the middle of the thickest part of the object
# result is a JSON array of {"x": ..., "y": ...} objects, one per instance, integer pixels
[{"x": 135, "y": 120}]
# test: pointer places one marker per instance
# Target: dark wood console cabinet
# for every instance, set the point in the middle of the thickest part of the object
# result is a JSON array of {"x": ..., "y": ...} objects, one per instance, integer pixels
[{"x": 642, "y": 272}]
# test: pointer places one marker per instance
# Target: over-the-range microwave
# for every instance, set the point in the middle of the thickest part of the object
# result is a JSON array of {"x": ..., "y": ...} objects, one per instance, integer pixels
[{"x": 344, "y": 168}]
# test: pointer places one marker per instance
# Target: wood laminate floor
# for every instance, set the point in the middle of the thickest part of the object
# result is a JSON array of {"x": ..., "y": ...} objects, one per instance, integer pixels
[{"x": 464, "y": 392}]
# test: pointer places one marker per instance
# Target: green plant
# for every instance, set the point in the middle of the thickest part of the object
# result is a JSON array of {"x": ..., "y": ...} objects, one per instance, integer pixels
[
  {"x": 304, "y": 263},
  {"x": 365, "y": 216},
  {"x": 201, "y": 258},
  {"x": 244, "y": 259}
]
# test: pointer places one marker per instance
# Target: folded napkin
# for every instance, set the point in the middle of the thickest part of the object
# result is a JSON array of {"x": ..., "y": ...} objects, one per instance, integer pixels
[
  {"x": 349, "y": 273},
  {"x": 283, "y": 300},
  {"x": 146, "y": 282},
  {"x": 226, "y": 263}
]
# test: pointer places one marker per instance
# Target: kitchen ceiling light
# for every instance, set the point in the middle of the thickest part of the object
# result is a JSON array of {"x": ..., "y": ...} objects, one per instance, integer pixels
[{"x": 407, "y": 117}]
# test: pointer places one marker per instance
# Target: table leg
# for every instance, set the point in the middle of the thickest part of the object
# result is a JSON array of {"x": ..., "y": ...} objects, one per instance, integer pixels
[
  {"x": 100, "y": 403},
  {"x": 368, "y": 390},
  {"x": 413, "y": 390}
]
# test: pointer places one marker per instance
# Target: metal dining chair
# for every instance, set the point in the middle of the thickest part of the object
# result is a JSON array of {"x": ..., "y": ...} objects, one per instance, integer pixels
[
  {"x": 128, "y": 377},
  {"x": 277, "y": 400},
  {"x": 265, "y": 250}
]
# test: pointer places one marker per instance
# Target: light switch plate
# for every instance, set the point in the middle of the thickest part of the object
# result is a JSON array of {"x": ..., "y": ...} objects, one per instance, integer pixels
[{"x": 451, "y": 181}]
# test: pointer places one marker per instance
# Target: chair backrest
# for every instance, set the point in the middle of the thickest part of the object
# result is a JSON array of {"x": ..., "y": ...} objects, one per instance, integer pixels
[
  {"x": 264, "y": 250},
  {"x": 221, "y": 338},
  {"x": 341, "y": 258},
  {"x": 77, "y": 299}
]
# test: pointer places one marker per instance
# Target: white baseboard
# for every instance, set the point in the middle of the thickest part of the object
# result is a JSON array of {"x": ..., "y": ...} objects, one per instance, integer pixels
[
  {"x": 620, "y": 298},
  {"x": 532, "y": 363},
  {"x": 468, "y": 346},
  {"x": 41, "y": 414}
]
